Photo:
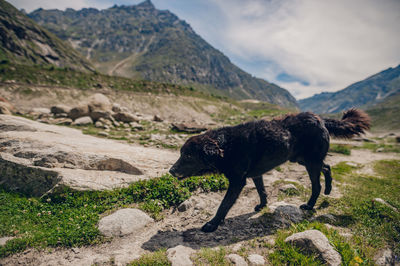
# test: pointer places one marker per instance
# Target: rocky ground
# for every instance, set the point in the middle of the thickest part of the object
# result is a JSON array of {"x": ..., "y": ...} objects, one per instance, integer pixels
[
  {"x": 181, "y": 227},
  {"x": 63, "y": 156}
]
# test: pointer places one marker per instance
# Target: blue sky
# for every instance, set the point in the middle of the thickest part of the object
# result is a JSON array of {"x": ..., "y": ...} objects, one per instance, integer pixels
[{"x": 305, "y": 46}]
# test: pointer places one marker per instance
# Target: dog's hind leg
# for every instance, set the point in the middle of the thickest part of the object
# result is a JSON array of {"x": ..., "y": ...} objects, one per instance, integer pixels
[
  {"x": 326, "y": 170},
  {"x": 258, "y": 181},
  {"x": 314, "y": 171},
  {"x": 234, "y": 189}
]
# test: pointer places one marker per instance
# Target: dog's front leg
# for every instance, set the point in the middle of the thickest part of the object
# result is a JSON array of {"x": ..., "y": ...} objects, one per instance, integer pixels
[
  {"x": 234, "y": 189},
  {"x": 258, "y": 181}
]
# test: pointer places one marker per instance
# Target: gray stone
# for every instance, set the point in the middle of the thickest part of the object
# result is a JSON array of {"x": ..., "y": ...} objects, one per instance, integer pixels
[
  {"x": 97, "y": 114},
  {"x": 381, "y": 201},
  {"x": 256, "y": 259},
  {"x": 325, "y": 218},
  {"x": 156, "y": 118},
  {"x": 99, "y": 124},
  {"x": 236, "y": 260},
  {"x": 313, "y": 241},
  {"x": 62, "y": 121},
  {"x": 3, "y": 240},
  {"x": 180, "y": 255},
  {"x": 4, "y": 109},
  {"x": 103, "y": 134},
  {"x": 125, "y": 117},
  {"x": 384, "y": 258},
  {"x": 78, "y": 111},
  {"x": 99, "y": 102},
  {"x": 184, "y": 206},
  {"x": 60, "y": 109},
  {"x": 287, "y": 214},
  {"x": 124, "y": 222},
  {"x": 41, "y": 110},
  {"x": 83, "y": 121}
]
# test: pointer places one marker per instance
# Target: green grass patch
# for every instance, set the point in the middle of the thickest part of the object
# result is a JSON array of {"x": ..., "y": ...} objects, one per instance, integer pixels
[
  {"x": 286, "y": 254},
  {"x": 375, "y": 147},
  {"x": 340, "y": 148},
  {"x": 209, "y": 256},
  {"x": 69, "y": 218},
  {"x": 374, "y": 225},
  {"x": 158, "y": 258}
]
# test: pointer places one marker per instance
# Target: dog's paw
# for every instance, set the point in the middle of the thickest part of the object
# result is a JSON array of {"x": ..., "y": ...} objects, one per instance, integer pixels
[
  {"x": 327, "y": 190},
  {"x": 306, "y": 207},
  {"x": 209, "y": 227},
  {"x": 259, "y": 207}
]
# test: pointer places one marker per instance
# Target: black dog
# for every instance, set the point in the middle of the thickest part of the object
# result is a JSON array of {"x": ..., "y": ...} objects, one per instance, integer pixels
[{"x": 253, "y": 148}]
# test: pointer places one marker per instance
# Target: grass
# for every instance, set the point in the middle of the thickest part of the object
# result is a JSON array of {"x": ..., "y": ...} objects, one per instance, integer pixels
[
  {"x": 69, "y": 219},
  {"x": 286, "y": 254},
  {"x": 340, "y": 148},
  {"x": 374, "y": 225},
  {"x": 381, "y": 147},
  {"x": 158, "y": 258},
  {"x": 209, "y": 256}
]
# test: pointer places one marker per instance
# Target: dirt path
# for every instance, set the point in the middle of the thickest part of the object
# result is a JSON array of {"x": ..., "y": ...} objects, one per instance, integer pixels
[{"x": 183, "y": 228}]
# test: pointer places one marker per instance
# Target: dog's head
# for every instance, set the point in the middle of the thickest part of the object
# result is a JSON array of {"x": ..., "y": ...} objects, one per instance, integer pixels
[{"x": 199, "y": 155}]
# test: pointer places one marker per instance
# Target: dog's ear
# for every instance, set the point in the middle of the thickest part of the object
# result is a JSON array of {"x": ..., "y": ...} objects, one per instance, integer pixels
[{"x": 211, "y": 148}]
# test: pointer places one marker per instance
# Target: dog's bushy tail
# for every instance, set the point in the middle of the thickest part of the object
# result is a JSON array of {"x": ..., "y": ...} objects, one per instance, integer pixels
[{"x": 353, "y": 123}]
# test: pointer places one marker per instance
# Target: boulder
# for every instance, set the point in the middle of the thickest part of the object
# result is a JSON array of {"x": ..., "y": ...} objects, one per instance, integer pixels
[
  {"x": 256, "y": 259},
  {"x": 78, "y": 111},
  {"x": 97, "y": 114},
  {"x": 41, "y": 110},
  {"x": 60, "y": 109},
  {"x": 83, "y": 121},
  {"x": 124, "y": 222},
  {"x": 315, "y": 242},
  {"x": 286, "y": 214},
  {"x": 62, "y": 121},
  {"x": 236, "y": 260},
  {"x": 188, "y": 127},
  {"x": 156, "y": 118},
  {"x": 37, "y": 158},
  {"x": 180, "y": 255},
  {"x": 4, "y": 109},
  {"x": 3, "y": 240},
  {"x": 184, "y": 206},
  {"x": 125, "y": 117},
  {"x": 384, "y": 258},
  {"x": 99, "y": 102}
]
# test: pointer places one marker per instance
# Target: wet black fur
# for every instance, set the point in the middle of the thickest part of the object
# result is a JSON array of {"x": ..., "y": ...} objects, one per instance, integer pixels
[{"x": 252, "y": 149}]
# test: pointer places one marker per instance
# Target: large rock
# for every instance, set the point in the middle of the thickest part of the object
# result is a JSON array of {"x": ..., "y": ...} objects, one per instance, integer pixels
[
  {"x": 286, "y": 214},
  {"x": 78, "y": 111},
  {"x": 99, "y": 102},
  {"x": 98, "y": 114},
  {"x": 384, "y": 258},
  {"x": 37, "y": 158},
  {"x": 83, "y": 121},
  {"x": 313, "y": 241},
  {"x": 125, "y": 117},
  {"x": 180, "y": 256},
  {"x": 124, "y": 222},
  {"x": 60, "y": 109},
  {"x": 4, "y": 109},
  {"x": 256, "y": 259},
  {"x": 236, "y": 260},
  {"x": 188, "y": 127}
]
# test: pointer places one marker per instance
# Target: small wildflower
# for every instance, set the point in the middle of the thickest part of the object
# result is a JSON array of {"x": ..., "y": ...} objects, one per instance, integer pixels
[
  {"x": 39, "y": 214},
  {"x": 358, "y": 259},
  {"x": 48, "y": 200}
]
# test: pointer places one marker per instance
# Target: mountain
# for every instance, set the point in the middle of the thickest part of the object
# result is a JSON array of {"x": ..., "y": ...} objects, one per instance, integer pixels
[
  {"x": 363, "y": 94},
  {"x": 24, "y": 42},
  {"x": 140, "y": 41},
  {"x": 385, "y": 115}
]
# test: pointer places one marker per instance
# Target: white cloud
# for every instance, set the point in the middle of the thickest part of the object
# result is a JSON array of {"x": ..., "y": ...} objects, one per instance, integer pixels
[{"x": 329, "y": 44}]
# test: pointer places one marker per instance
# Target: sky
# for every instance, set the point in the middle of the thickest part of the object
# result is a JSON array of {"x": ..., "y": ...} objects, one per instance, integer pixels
[{"x": 304, "y": 46}]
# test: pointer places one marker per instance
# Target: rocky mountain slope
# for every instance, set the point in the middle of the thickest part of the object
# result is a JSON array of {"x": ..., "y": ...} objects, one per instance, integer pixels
[
  {"x": 364, "y": 93},
  {"x": 386, "y": 114},
  {"x": 142, "y": 42},
  {"x": 24, "y": 42}
]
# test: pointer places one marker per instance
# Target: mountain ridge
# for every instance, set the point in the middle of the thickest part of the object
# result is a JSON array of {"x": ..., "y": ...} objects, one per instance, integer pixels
[
  {"x": 25, "y": 42},
  {"x": 140, "y": 41},
  {"x": 364, "y": 93}
]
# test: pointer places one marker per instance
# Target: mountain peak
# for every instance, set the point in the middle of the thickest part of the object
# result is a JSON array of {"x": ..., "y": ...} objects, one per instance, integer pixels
[{"x": 147, "y": 4}]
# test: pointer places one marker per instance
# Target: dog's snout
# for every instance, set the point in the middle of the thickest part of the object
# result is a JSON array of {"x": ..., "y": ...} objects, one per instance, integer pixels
[{"x": 172, "y": 171}]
